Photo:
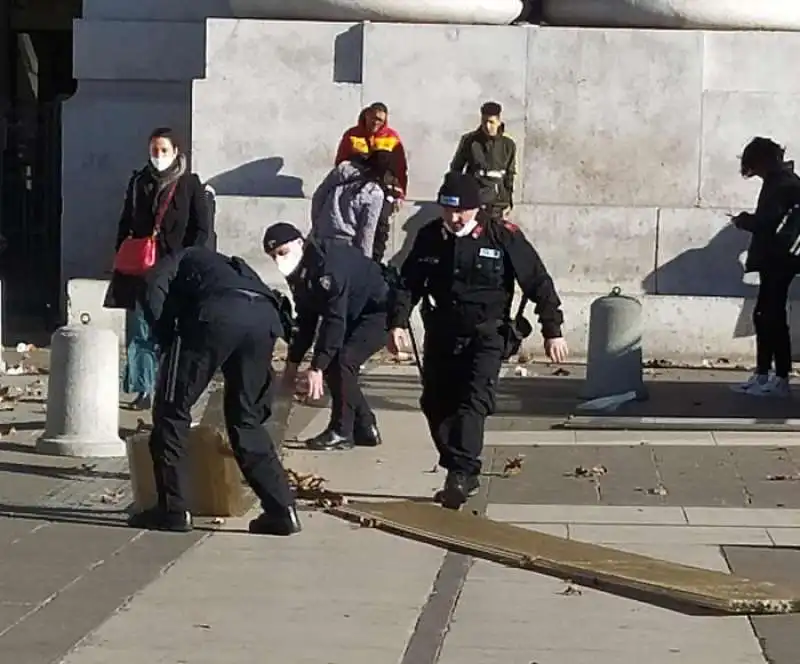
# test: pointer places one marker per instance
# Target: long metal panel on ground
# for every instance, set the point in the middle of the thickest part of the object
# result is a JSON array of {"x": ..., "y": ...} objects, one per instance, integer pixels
[{"x": 649, "y": 579}]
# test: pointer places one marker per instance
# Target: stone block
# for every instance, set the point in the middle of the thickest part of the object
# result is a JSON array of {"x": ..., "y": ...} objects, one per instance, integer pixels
[
  {"x": 106, "y": 125},
  {"x": 700, "y": 254},
  {"x": 600, "y": 132},
  {"x": 434, "y": 79},
  {"x": 729, "y": 65},
  {"x": 730, "y": 120},
  {"x": 138, "y": 50},
  {"x": 581, "y": 245},
  {"x": 269, "y": 115},
  {"x": 241, "y": 223}
]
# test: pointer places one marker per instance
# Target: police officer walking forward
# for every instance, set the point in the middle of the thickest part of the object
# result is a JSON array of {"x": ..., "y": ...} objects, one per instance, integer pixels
[
  {"x": 213, "y": 312},
  {"x": 462, "y": 268},
  {"x": 336, "y": 285}
]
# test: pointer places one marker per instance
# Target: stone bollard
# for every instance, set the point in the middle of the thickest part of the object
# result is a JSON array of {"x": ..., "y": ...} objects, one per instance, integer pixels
[
  {"x": 83, "y": 394},
  {"x": 614, "y": 354}
]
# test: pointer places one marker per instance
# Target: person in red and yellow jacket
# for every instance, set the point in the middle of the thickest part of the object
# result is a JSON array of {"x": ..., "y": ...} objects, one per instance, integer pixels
[{"x": 373, "y": 133}]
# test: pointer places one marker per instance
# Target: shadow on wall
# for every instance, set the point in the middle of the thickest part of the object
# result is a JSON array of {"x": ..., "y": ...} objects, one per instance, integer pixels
[
  {"x": 715, "y": 270},
  {"x": 427, "y": 212},
  {"x": 259, "y": 179}
]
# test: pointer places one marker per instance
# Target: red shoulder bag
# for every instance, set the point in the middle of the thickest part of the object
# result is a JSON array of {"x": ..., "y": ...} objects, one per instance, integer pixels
[{"x": 136, "y": 255}]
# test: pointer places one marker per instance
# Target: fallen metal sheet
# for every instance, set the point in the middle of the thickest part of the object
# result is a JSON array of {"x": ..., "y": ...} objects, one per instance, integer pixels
[
  {"x": 648, "y": 579},
  {"x": 630, "y": 423}
]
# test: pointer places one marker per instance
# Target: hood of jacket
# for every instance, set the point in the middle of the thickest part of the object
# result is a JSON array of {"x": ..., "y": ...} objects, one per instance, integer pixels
[{"x": 361, "y": 126}]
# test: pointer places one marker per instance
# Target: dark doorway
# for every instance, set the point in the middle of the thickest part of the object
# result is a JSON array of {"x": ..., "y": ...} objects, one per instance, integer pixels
[{"x": 35, "y": 80}]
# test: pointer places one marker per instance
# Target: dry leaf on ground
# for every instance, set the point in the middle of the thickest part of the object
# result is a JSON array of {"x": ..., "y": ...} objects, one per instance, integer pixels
[
  {"x": 513, "y": 466},
  {"x": 594, "y": 471}
]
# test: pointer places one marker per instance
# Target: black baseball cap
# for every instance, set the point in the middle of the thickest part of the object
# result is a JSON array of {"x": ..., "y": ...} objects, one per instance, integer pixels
[
  {"x": 461, "y": 191},
  {"x": 280, "y": 233}
]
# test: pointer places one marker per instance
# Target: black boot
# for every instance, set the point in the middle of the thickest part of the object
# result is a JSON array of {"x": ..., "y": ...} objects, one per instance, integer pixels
[
  {"x": 329, "y": 440},
  {"x": 458, "y": 488},
  {"x": 158, "y": 519},
  {"x": 142, "y": 402},
  {"x": 283, "y": 525},
  {"x": 367, "y": 436}
]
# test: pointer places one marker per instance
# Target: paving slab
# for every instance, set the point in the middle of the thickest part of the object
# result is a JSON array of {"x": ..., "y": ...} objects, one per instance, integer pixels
[
  {"x": 743, "y": 517},
  {"x": 780, "y": 635},
  {"x": 504, "y": 615},
  {"x": 690, "y": 535},
  {"x": 252, "y": 591},
  {"x": 619, "y": 515},
  {"x": 708, "y": 475}
]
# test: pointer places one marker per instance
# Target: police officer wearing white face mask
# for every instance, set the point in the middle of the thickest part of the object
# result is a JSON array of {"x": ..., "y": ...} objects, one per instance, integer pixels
[
  {"x": 164, "y": 201},
  {"x": 336, "y": 286},
  {"x": 463, "y": 268}
]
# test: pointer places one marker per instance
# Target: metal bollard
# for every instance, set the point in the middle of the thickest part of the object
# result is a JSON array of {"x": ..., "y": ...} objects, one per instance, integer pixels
[
  {"x": 614, "y": 354},
  {"x": 83, "y": 394}
]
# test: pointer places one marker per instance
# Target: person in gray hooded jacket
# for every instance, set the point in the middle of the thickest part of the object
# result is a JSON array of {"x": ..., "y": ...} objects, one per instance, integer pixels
[{"x": 354, "y": 203}]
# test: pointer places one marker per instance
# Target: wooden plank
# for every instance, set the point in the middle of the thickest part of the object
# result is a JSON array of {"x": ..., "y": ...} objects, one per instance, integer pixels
[
  {"x": 658, "y": 581},
  {"x": 632, "y": 423}
]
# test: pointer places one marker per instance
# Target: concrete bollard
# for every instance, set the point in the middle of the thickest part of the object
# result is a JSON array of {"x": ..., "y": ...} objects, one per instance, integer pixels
[
  {"x": 83, "y": 394},
  {"x": 614, "y": 353}
]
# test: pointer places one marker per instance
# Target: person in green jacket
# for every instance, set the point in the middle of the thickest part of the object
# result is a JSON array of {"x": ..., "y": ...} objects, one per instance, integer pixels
[{"x": 489, "y": 155}]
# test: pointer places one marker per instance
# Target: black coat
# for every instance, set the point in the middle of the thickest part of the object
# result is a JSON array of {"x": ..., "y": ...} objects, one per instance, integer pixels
[
  {"x": 780, "y": 190},
  {"x": 187, "y": 223}
]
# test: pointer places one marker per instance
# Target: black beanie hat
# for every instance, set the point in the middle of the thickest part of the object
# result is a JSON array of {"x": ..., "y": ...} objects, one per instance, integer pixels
[
  {"x": 279, "y": 234},
  {"x": 461, "y": 191}
]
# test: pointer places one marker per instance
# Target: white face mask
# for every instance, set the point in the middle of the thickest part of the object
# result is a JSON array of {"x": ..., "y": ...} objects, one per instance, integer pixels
[
  {"x": 466, "y": 229},
  {"x": 288, "y": 263},
  {"x": 161, "y": 164}
]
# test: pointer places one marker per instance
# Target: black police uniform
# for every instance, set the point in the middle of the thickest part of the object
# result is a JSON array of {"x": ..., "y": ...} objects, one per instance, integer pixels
[
  {"x": 343, "y": 290},
  {"x": 466, "y": 285},
  {"x": 214, "y": 313}
]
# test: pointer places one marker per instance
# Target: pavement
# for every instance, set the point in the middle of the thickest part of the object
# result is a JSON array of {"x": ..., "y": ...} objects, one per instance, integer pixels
[{"x": 79, "y": 588}]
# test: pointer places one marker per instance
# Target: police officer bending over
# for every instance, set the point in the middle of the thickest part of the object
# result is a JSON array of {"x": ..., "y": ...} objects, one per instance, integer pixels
[
  {"x": 213, "y": 312},
  {"x": 336, "y": 285},
  {"x": 462, "y": 267}
]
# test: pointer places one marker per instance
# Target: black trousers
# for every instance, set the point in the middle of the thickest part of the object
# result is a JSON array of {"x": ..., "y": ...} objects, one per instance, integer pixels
[
  {"x": 240, "y": 343},
  {"x": 459, "y": 382},
  {"x": 773, "y": 341},
  {"x": 350, "y": 411}
]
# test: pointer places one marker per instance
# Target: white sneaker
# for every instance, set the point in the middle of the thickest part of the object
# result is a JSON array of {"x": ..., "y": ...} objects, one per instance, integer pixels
[
  {"x": 774, "y": 387},
  {"x": 755, "y": 381}
]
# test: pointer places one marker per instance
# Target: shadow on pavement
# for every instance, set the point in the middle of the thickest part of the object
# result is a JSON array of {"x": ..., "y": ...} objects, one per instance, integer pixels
[
  {"x": 556, "y": 398},
  {"x": 92, "y": 517},
  {"x": 55, "y": 472}
]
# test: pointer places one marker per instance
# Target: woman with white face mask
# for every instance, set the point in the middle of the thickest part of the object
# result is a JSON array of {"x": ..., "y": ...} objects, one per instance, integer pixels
[{"x": 165, "y": 210}]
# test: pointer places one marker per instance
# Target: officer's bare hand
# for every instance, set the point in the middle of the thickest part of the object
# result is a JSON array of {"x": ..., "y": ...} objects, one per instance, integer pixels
[
  {"x": 507, "y": 213},
  {"x": 556, "y": 349},
  {"x": 315, "y": 384},
  {"x": 398, "y": 340}
]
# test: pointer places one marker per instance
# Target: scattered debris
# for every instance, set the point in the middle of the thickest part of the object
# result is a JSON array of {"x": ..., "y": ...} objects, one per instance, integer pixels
[
  {"x": 367, "y": 523},
  {"x": 217, "y": 521},
  {"x": 311, "y": 487},
  {"x": 658, "y": 364},
  {"x": 402, "y": 357},
  {"x": 513, "y": 466},
  {"x": 570, "y": 590},
  {"x": 561, "y": 371},
  {"x": 520, "y": 372},
  {"x": 523, "y": 357},
  {"x": 783, "y": 478},
  {"x": 9, "y": 432},
  {"x": 112, "y": 497},
  {"x": 88, "y": 467},
  {"x": 594, "y": 471},
  {"x": 658, "y": 490},
  {"x": 202, "y": 626}
]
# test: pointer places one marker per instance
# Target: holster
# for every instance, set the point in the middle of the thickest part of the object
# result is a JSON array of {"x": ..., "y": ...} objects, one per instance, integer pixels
[{"x": 514, "y": 332}]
